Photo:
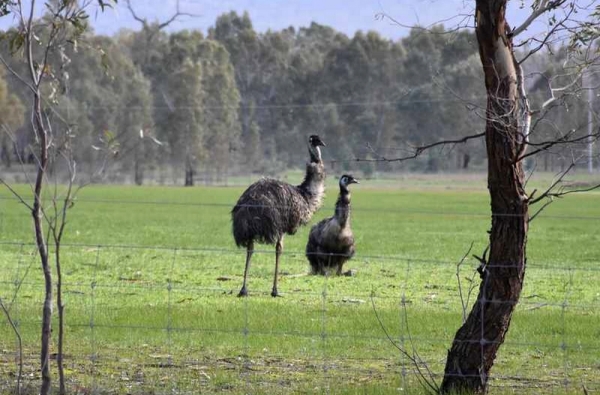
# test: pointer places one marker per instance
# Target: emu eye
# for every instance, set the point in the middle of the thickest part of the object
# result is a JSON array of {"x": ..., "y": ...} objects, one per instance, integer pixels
[{"x": 344, "y": 180}]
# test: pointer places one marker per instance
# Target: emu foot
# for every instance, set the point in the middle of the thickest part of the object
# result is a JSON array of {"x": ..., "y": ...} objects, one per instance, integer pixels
[
  {"x": 275, "y": 294},
  {"x": 243, "y": 292}
]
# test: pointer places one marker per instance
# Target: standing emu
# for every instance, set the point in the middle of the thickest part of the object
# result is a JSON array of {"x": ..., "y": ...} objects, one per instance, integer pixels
[
  {"x": 331, "y": 242},
  {"x": 270, "y": 208}
]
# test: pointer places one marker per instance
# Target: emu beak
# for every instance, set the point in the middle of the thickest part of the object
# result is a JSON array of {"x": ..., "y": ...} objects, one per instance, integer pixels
[{"x": 354, "y": 181}]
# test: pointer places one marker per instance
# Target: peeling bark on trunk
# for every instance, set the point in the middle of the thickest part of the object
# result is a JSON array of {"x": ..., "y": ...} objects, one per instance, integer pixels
[{"x": 476, "y": 343}]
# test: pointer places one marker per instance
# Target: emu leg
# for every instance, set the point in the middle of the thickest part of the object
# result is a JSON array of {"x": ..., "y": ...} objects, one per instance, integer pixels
[
  {"x": 278, "y": 249},
  {"x": 317, "y": 264},
  {"x": 249, "y": 251},
  {"x": 320, "y": 264},
  {"x": 325, "y": 266}
]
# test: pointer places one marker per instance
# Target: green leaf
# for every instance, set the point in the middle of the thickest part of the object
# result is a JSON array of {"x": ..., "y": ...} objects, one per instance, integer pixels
[
  {"x": 5, "y": 7},
  {"x": 104, "y": 3},
  {"x": 16, "y": 42}
]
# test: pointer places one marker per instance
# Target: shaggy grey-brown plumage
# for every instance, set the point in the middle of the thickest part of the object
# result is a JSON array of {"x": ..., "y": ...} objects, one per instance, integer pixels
[
  {"x": 270, "y": 208},
  {"x": 331, "y": 241}
]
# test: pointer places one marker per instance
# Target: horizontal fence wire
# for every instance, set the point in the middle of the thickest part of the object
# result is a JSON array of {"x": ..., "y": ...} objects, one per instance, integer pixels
[
  {"x": 258, "y": 347},
  {"x": 287, "y": 106},
  {"x": 295, "y": 254},
  {"x": 561, "y": 345},
  {"x": 354, "y": 209},
  {"x": 496, "y": 380},
  {"x": 525, "y": 304}
]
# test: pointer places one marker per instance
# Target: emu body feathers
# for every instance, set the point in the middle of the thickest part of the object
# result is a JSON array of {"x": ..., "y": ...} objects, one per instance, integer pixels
[
  {"x": 270, "y": 208},
  {"x": 331, "y": 241}
]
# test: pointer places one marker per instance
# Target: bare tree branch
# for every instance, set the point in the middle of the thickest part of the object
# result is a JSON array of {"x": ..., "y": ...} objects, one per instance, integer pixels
[
  {"x": 543, "y": 42},
  {"x": 135, "y": 16},
  {"x": 430, "y": 386},
  {"x": 178, "y": 13},
  {"x": 542, "y": 7},
  {"x": 561, "y": 89},
  {"x": 19, "y": 343},
  {"x": 61, "y": 219},
  {"x": 15, "y": 74},
  {"x": 563, "y": 140},
  {"x": 563, "y": 193},
  {"x": 548, "y": 192},
  {"x": 546, "y": 204},
  {"x": 459, "y": 26},
  {"x": 16, "y": 194},
  {"x": 460, "y": 293},
  {"x": 418, "y": 150},
  {"x": 524, "y": 118}
]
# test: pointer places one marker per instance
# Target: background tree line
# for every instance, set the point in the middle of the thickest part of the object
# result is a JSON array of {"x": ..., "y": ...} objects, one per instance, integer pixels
[{"x": 185, "y": 107}]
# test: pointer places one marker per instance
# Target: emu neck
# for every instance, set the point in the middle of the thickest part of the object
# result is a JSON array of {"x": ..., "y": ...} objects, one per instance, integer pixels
[
  {"x": 342, "y": 207},
  {"x": 315, "y": 154},
  {"x": 313, "y": 186}
]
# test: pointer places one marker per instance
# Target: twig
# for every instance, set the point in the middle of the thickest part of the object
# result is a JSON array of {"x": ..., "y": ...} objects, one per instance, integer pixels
[
  {"x": 19, "y": 341},
  {"x": 19, "y": 283},
  {"x": 16, "y": 194},
  {"x": 482, "y": 264},
  {"x": 460, "y": 26},
  {"x": 548, "y": 194},
  {"x": 417, "y": 150},
  {"x": 543, "y": 6},
  {"x": 162, "y": 25},
  {"x": 432, "y": 386},
  {"x": 462, "y": 302},
  {"x": 546, "y": 145},
  {"x": 537, "y": 306},
  {"x": 431, "y": 375},
  {"x": 15, "y": 74},
  {"x": 544, "y": 41},
  {"x": 548, "y": 191},
  {"x": 561, "y": 89}
]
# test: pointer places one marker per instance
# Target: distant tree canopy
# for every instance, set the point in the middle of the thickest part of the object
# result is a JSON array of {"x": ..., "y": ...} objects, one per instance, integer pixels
[
  {"x": 238, "y": 101},
  {"x": 12, "y": 110}
]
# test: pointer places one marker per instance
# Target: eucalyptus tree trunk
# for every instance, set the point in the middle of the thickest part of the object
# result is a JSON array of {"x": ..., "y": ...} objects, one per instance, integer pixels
[
  {"x": 189, "y": 172},
  {"x": 476, "y": 343},
  {"x": 138, "y": 166}
]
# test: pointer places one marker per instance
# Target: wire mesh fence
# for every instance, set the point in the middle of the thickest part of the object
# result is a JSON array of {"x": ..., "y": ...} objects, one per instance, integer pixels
[{"x": 143, "y": 320}]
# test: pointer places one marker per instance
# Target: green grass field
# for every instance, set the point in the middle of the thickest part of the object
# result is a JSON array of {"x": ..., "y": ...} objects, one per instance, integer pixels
[{"x": 151, "y": 275}]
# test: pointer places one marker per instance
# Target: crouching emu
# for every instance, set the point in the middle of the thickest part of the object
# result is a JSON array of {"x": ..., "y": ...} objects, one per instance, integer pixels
[
  {"x": 331, "y": 242},
  {"x": 270, "y": 208}
]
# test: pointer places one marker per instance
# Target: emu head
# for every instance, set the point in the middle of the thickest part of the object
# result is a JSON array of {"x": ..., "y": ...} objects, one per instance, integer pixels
[
  {"x": 346, "y": 180},
  {"x": 314, "y": 142}
]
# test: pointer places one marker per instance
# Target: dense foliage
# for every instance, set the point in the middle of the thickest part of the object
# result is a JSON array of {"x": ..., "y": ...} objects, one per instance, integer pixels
[{"x": 239, "y": 101}]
